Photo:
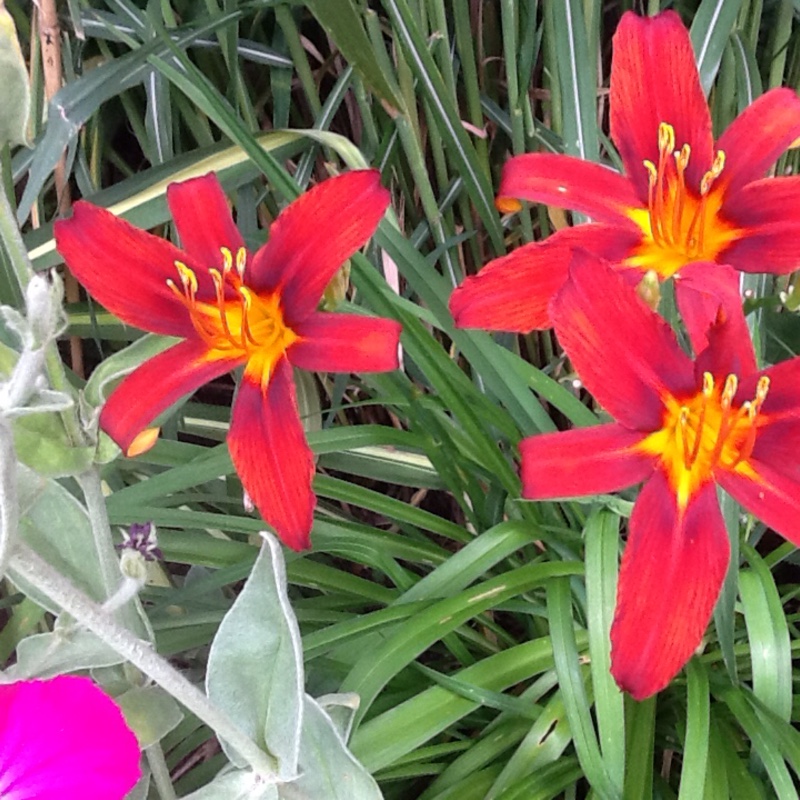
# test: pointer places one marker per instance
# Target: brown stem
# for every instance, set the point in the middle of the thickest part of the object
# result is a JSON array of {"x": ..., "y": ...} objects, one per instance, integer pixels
[{"x": 50, "y": 42}]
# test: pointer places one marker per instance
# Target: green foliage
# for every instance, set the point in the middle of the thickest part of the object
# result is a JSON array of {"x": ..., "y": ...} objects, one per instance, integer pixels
[{"x": 473, "y": 626}]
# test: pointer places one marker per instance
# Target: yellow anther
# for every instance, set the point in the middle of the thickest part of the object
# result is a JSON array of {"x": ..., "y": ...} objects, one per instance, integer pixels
[
  {"x": 708, "y": 384},
  {"x": 719, "y": 163},
  {"x": 762, "y": 388},
  {"x": 247, "y": 297},
  {"x": 188, "y": 278},
  {"x": 219, "y": 281},
  {"x": 241, "y": 261},
  {"x": 227, "y": 260},
  {"x": 666, "y": 137},
  {"x": 682, "y": 157},
  {"x": 651, "y": 171},
  {"x": 731, "y": 385}
]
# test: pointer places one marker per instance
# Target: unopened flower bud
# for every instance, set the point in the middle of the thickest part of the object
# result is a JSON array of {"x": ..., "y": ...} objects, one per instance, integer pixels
[
  {"x": 649, "y": 289},
  {"x": 43, "y": 299},
  {"x": 133, "y": 565}
]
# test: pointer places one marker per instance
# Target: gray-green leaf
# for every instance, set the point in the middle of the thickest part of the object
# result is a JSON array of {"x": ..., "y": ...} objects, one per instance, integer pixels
[{"x": 255, "y": 666}]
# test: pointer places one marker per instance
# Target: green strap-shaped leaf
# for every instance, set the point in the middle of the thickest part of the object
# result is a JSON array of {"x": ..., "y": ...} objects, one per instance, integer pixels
[
  {"x": 342, "y": 20},
  {"x": 710, "y": 31}
]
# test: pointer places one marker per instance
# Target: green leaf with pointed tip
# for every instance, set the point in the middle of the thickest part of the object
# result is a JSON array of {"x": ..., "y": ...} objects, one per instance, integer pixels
[
  {"x": 255, "y": 667},
  {"x": 328, "y": 769},
  {"x": 57, "y": 527}
]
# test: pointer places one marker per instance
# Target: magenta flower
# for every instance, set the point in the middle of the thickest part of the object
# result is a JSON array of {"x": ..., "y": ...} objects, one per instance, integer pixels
[{"x": 64, "y": 739}]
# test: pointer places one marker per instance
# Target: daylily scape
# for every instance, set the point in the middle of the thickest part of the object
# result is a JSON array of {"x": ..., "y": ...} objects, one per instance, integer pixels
[
  {"x": 682, "y": 198},
  {"x": 237, "y": 309},
  {"x": 682, "y": 427}
]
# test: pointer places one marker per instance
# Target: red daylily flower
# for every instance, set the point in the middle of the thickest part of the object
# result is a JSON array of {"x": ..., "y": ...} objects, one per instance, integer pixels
[
  {"x": 236, "y": 309},
  {"x": 682, "y": 427},
  {"x": 682, "y": 199},
  {"x": 64, "y": 739}
]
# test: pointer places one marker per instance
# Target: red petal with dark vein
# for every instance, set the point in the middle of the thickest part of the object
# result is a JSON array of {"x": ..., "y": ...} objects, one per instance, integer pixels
[
  {"x": 672, "y": 570},
  {"x": 154, "y": 386},
  {"x": 582, "y": 462},
  {"x": 568, "y": 182},
  {"x": 270, "y": 453},
  {"x": 203, "y": 219},
  {"x": 764, "y": 490},
  {"x": 711, "y": 308},
  {"x": 124, "y": 268},
  {"x": 625, "y": 354},
  {"x": 767, "y": 248},
  {"x": 345, "y": 343},
  {"x": 314, "y": 236},
  {"x": 776, "y": 444},
  {"x": 768, "y": 211},
  {"x": 513, "y": 293},
  {"x": 753, "y": 142},
  {"x": 653, "y": 80}
]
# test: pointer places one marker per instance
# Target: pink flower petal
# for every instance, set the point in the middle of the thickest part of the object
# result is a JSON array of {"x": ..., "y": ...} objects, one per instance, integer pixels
[{"x": 64, "y": 739}]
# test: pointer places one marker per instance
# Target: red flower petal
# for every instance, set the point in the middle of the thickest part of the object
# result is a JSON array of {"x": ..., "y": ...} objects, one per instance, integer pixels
[
  {"x": 124, "y": 268},
  {"x": 345, "y": 343},
  {"x": 513, "y": 293},
  {"x": 314, "y": 236},
  {"x": 783, "y": 399},
  {"x": 709, "y": 300},
  {"x": 582, "y": 462},
  {"x": 156, "y": 385},
  {"x": 764, "y": 490},
  {"x": 568, "y": 182},
  {"x": 672, "y": 570},
  {"x": 653, "y": 80},
  {"x": 768, "y": 211},
  {"x": 270, "y": 453},
  {"x": 776, "y": 444},
  {"x": 63, "y": 739},
  {"x": 625, "y": 354},
  {"x": 203, "y": 219},
  {"x": 755, "y": 139}
]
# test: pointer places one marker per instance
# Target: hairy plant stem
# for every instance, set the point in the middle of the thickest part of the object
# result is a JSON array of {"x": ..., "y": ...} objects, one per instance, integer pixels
[
  {"x": 18, "y": 256},
  {"x": 61, "y": 591},
  {"x": 107, "y": 559},
  {"x": 160, "y": 772},
  {"x": 9, "y": 503}
]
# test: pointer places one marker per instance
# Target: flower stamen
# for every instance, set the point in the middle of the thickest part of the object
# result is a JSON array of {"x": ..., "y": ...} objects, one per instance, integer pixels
[{"x": 679, "y": 214}]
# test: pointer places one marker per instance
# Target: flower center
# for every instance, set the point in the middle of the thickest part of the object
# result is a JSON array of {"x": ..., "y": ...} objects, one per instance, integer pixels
[
  {"x": 681, "y": 224},
  {"x": 706, "y": 431},
  {"x": 239, "y": 320}
]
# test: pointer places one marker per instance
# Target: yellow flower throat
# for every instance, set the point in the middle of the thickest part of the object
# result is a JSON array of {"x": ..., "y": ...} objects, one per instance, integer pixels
[
  {"x": 238, "y": 326},
  {"x": 680, "y": 224},
  {"x": 706, "y": 431}
]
